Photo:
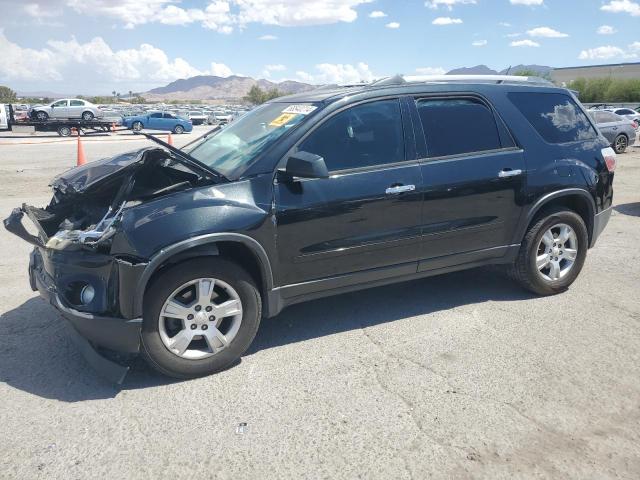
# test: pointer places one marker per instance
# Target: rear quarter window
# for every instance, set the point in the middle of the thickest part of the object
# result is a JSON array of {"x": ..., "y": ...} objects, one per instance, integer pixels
[{"x": 555, "y": 116}]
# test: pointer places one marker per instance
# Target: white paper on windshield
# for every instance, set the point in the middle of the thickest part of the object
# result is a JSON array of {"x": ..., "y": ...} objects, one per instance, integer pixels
[{"x": 299, "y": 109}]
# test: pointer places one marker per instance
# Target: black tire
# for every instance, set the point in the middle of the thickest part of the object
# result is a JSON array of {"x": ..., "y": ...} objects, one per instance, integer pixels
[
  {"x": 620, "y": 144},
  {"x": 158, "y": 355},
  {"x": 41, "y": 116},
  {"x": 524, "y": 270},
  {"x": 87, "y": 116},
  {"x": 137, "y": 126},
  {"x": 64, "y": 131},
  {"x": 178, "y": 129}
]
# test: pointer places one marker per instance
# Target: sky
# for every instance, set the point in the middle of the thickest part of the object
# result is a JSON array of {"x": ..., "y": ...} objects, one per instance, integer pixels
[{"x": 97, "y": 46}]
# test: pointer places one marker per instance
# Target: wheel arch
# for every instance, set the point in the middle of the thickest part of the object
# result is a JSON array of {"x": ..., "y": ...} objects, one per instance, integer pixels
[
  {"x": 244, "y": 250},
  {"x": 576, "y": 199}
]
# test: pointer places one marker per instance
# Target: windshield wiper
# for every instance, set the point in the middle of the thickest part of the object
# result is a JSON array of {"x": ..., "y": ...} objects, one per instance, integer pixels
[{"x": 186, "y": 158}]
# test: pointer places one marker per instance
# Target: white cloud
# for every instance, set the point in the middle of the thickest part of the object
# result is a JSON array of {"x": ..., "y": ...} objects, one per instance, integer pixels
[
  {"x": 220, "y": 70},
  {"x": 329, "y": 73},
  {"x": 609, "y": 51},
  {"x": 392, "y": 25},
  {"x": 546, "y": 32},
  {"x": 513, "y": 35},
  {"x": 377, "y": 14},
  {"x": 220, "y": 15},
  {"x": 449, "y": 4},
  {"x": 479, "y": 43},
  {"x": 527, "y": 2},
  {"x": 446, "y": 21},
  {"x": 524, "y": 43},
  {"x": 504, "y": 24},
  {"x": 268, "y": 37},
  {"x": 431, "y": 71},
  {"x": 94, "y": 64},
  {"x": 622, "y": 6},
  {"x": 273, "y": 68},
  {"x": 606, "y": 30}
]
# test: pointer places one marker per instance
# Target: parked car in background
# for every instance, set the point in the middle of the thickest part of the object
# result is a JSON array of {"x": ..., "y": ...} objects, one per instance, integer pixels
[
  {"x": 628, "y": 113},
  {"x": 158, "y": 121},
  {"x": 620, "y": 131},
  {"x": 196, "y": 117},
  {"x": 66, "y": 108}
]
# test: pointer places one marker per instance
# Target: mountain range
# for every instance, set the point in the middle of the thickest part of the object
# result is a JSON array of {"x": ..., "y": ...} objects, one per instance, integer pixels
[
  {"x": 224, "y": 89},
  {"x": 233, "y": 88}
]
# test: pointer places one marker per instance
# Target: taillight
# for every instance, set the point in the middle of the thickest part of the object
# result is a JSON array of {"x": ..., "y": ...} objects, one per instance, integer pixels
[
  {"x": 635, "y": 124},
  {"x": 609, "y": 156}
]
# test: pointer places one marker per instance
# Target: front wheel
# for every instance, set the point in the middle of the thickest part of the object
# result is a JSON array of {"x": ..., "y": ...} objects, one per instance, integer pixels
[
  {"x": 552, "y": 253},
  {"x": 620, "y": 144},
  {"x": 87, "y": 116},
  {"x": 42, "y": 116},
  {"x": 178, "y": 129},
  {"x": 199, "y": 317},
  {"x": 137, "y": 126}
]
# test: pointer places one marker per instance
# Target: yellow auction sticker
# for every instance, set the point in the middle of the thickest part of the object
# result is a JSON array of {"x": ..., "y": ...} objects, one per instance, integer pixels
[{"x": 283, "y": 119}]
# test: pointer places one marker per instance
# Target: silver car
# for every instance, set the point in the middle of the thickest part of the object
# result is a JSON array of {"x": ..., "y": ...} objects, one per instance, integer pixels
[
  {"x": 627, "y": 113},
  {"x": 618, "y": 130},
  {"x": 66, "y": 108}
]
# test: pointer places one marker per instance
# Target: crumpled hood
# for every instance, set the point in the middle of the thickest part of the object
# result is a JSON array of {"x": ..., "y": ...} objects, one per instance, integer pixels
[{"x": 79, "y": 179}]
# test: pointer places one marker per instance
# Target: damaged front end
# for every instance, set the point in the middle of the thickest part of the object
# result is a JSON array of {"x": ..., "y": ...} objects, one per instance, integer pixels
[{"x": 73, "y": 264}]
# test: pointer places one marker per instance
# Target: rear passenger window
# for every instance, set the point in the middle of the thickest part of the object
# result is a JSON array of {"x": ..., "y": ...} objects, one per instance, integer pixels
[
  {"x": 362, "y": 136},
  {"x": 457, "y": 126},
  {"x": 555, "y": 116}
]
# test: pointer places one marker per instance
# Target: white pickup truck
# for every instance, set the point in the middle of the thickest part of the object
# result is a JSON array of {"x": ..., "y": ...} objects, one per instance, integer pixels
[{"x": 5, "y": 116}]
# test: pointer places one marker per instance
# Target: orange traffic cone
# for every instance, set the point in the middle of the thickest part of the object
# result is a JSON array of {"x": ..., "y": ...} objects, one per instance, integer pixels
[
  {"x": 170, "y": 140},
  {"x": 113, "y": 127},
  {"x": 81, "y": 158}
]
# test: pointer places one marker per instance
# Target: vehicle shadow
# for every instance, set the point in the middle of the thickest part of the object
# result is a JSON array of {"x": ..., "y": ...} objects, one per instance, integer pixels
[
  {"x": 38, "y": 356},
  {"x": 632, "y": 209},
  {"x": 386, "y": 304}
]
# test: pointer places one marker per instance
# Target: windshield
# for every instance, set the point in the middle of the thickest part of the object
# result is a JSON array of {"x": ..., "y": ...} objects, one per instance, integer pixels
[{"x": 235, "y": 147}]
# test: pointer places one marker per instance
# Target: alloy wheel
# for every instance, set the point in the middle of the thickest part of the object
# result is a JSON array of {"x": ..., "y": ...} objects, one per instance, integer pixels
[
  {"x": 557, "y": 252},
  {"x": 200, "y": 318},
  {"x": 621, "y": 144}
]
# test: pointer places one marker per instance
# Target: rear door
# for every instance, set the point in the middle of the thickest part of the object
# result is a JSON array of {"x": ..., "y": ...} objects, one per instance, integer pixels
[
  {"x": 474, "y": 179},
  {"x": 363, "y": 218},
  {"x": 609, "y": 124},
  {"x": 76, "y": 107}
]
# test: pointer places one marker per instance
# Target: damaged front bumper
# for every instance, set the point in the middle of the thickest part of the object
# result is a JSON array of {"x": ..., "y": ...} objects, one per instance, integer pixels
[{"x": 104, "y": 326}]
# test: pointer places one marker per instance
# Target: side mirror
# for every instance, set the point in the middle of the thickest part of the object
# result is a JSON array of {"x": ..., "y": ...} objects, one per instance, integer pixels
[{"x": 306, "y": 165}]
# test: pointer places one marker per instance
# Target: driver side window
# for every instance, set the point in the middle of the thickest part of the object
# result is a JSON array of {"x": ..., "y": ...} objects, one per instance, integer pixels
[{"x": 366, "y": 135}]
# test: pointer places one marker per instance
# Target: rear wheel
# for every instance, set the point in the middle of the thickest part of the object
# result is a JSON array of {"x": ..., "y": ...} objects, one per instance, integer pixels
[
  {"x": 42, "y": 116},
  {"x": 199, "y": 317},
  {"x": 87, "y": 116},
  {"x": 137, "y": 126},
  {"x": 552, "y": 253},
  {"x": 178, "y": 129},
  {"x": 621, "y": 143}
]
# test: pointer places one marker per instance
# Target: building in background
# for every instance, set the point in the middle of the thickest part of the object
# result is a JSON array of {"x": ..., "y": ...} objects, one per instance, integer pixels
[{"x": 620, "y": 71}]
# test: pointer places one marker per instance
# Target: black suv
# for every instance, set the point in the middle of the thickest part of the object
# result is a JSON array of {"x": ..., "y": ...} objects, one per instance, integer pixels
[{"x": 178, "y": 254}]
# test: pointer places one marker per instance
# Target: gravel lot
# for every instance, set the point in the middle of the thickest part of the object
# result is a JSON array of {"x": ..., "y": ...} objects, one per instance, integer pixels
[{"x": 459, "y": 376}]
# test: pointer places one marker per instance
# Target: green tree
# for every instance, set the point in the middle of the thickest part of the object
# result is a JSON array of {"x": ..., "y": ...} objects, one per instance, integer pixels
[
  {"x": 7, "y": 95},
  {"x": 256, "y": 95},
  {"x": 596, "y": 90}
]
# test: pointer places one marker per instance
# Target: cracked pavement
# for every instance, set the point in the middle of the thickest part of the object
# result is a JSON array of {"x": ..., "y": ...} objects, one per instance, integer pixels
[{"x": 458, "y": 376}]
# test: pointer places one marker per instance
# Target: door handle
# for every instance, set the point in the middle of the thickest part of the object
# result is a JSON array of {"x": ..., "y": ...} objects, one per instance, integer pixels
[
  {"x": 396, "y": 189},
  {"x": 507, "y": 172}
]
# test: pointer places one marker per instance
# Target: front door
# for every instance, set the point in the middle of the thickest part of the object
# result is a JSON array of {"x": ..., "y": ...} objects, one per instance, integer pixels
[
  {"x": 60, "y": 109},
  {"x": 474, "y": 179},
  {"x": 365, "y": 216}
]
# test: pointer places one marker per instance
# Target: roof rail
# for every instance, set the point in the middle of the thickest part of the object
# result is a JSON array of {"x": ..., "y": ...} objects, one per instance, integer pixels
[{"x": 498, "y": 79}]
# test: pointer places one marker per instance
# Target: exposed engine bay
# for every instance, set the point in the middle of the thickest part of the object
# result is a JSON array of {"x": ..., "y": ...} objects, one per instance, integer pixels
[{"x": 88, "y": 202}]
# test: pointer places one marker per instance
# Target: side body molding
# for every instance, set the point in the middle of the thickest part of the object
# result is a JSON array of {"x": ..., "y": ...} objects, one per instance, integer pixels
[{"x": 168, "y": 252}]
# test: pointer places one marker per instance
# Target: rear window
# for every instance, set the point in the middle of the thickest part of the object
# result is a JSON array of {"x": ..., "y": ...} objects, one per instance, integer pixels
[
  {"x": 446, "y": 121},
  {"x": 555, "y": 116}
]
